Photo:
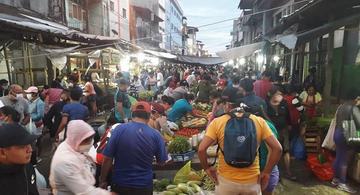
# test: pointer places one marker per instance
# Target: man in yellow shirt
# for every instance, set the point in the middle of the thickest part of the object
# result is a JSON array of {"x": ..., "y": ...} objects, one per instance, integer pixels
[{"x": 231, "y": 180}]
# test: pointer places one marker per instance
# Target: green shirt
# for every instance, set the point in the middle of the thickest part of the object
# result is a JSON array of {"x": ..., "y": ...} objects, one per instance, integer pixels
[{"x": 263, "y": 147}]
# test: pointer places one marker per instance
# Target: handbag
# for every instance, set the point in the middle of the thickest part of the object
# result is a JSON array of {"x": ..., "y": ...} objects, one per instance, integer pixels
[{"x": 351, "y": 134}]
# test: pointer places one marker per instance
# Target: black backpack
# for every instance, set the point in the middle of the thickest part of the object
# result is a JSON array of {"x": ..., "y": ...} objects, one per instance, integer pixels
[{"x": 240, "y": 141}]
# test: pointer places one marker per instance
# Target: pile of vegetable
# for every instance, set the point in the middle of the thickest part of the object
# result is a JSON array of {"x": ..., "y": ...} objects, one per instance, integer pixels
[
  {"x": 208, "y": 183},
  {"x": 190, "y": 188},
  {"x": 187, "y": 132},
  {"x": 203, "y": 107},
  {"x": 179, "y": 145},
  {"x": 160, "y": 185},
  {"x": 146, "y": 95},
  {"x": 194, "y": 123}
]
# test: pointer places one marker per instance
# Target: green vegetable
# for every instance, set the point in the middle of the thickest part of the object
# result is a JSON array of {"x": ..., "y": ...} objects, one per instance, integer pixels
[
  {"x": 160, "y": 185},
  {"x": 168, "y": 193},
  {"x": 193, "y": 182},
  {"x": 197, "y": 188},
  {"x": 169, "y": 187},
  {"x": 179, "y": 145},
  {"x": 176, "y": 190},
  {"x": 208, "y": 184},
  {"x": 183, "y": 187}
]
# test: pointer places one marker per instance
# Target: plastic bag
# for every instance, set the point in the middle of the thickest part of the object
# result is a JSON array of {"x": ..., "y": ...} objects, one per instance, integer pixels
[
  {"x": 182, "y": 176},
  {"x": 324, "y": 171},
  {"x": 329, "y": 139},
  {"x": 298, "y": 148}
]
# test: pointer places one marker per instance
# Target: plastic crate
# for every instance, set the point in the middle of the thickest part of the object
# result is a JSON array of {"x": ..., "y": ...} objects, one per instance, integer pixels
[{"x": 183, "y": 157}]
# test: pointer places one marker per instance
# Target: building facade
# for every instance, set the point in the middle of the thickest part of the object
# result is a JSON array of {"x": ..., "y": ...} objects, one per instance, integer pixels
[
  {"x": 173, "y": 27},
  {"x": 162, "y": 25},
  {"x": 119, "y": 19},
  {"x": 304, "y": 35},
  {"x": 144, "y": 24}
]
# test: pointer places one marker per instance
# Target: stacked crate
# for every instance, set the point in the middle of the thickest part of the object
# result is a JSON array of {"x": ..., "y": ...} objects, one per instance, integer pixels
[{"x": 313, "y": 139}]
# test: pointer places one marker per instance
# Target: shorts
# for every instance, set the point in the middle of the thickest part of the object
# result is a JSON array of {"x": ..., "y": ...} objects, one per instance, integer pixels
[
  {"x": 131, "y": 191},
  {"x": 285, "y": 140},
  {"x": 273, "y": 180},
  {"x": 227, "y": 187}
]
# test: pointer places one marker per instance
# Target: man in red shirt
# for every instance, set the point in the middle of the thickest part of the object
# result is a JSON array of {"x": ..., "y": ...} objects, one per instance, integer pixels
[{"x": 262, "y": 87}]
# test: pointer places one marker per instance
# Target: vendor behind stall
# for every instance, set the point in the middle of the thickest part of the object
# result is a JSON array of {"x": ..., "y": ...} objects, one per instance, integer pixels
[
  {"x": 181, "y": 108},
  {"x": 122, "y": 102}
]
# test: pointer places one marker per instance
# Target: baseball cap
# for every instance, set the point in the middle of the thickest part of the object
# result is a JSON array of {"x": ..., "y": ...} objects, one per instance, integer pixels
[
  {"x": 32, "y": 89},
  {"x": 142, "y": 107},
  {"x": 158, "y": 108},
  {"x": 123, "y": 82},
  {"x": 15, "y": 135}
]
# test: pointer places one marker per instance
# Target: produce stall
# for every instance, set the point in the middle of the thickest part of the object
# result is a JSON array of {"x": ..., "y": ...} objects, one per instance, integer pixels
[{"x": 186, "y": 181}]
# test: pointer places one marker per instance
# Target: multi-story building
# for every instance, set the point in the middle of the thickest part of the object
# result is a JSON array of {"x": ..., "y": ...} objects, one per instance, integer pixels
[
  {"x": 307, "y": 34},
  {"x": 144, "y": 23},
  {"x": 33, "y": 28},
  {"x": 191, "y": 41},
  {"x": 162, "y": 25},
  {"x": 98, "y": 13},
  {"x": 119, "y": 19},
  {"x": 173, "y": 27}
]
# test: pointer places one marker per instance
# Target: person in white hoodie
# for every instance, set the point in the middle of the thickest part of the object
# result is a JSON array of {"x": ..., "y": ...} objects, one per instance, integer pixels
[{"x": 72, "y": 170}]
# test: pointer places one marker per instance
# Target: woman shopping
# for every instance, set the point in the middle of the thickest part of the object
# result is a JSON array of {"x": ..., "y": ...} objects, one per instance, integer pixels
[{"x": 344, "y": 152}]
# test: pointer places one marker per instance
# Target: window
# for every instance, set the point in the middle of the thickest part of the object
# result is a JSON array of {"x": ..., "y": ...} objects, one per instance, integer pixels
[
  {"x": 112, "y": 6},
  {"x": 124, "y": 15},
  {"x": 75, "y": 11},
  {"x": 79, "y": 13},
  {"x": 84, "y": 17}
]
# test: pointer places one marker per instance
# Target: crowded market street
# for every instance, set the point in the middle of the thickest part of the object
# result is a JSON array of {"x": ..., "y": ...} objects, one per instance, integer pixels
[{"x": 179, "y": 97}]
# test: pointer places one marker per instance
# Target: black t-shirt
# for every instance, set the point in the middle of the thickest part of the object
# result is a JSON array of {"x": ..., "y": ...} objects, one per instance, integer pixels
[{"x": 281, "y": 117}]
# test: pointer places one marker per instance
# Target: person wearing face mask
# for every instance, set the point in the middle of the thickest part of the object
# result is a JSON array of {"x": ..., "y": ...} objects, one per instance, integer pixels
[
  {"x": 4, "y": 87},
  {"x": 36, "y": 107},
  {"x": 72, "y": 170},
  {"x": 8, "y": 115},
  {"x": 181, "y": 108},
  {"x": 16, "y": 100},
  {"x": 278, "y": 113}
]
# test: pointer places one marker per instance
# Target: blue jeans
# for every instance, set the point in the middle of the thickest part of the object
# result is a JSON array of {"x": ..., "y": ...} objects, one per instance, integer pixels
[{"x": 344, "y": 153}]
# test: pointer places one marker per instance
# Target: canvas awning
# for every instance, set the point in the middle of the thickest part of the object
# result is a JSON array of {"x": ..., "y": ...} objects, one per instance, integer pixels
[
  {"x": 239, "y": 52},
  {"x": 159, "y": 54},
  {"x": 195, "y": 60}
]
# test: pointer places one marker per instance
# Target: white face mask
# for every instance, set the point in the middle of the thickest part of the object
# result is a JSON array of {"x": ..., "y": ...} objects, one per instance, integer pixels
[
  {"x": 29, "y": 96},
  {"x": 19, "y": 95},
  {"x": 86, "y": 148},
  {"x": 71, "y": 85}
]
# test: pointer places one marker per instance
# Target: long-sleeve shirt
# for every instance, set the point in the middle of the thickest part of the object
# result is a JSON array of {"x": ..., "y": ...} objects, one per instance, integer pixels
[{"x": 37, "y": 109}]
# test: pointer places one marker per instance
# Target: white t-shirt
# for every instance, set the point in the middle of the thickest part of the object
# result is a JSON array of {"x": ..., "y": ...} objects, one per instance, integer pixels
[
  {"x": 160, "y": 79},
  {"x": 191, "y": 78}
]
